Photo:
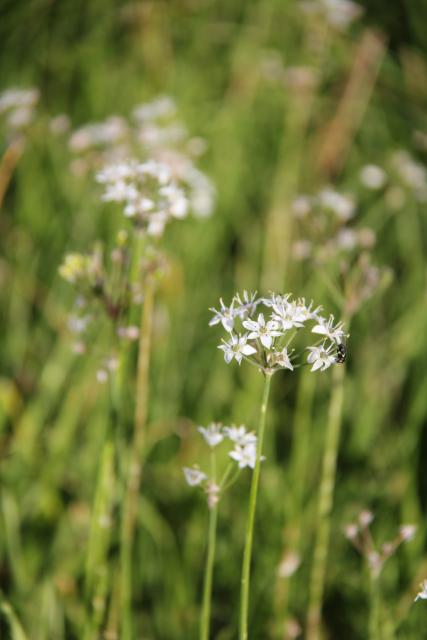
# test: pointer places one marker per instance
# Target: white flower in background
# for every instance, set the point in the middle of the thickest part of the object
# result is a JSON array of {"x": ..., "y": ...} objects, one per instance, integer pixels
[
  {"x": 262, "y": 330},
  {"x": 372, "y": 177},
  {"x": 302, "y": 206},
  {"x": 99, "y": 134},
  {"x": 422, "y": 594},
  {"x": 225, "y": 315},
  {"x": 213, "y": 433},
  {"x": 78, "y": 324},
  {"x": 337, "y": 13},
  {"x": 18, "y": 98},
  {"x": 346, "y": 239},
  {"x": 236, "y": 348},
  {"x": 194, "y": 476},
  {"x": 326, "y": 328},
  {"x": 102, "y": 376},
  {"x": 160, "y": 107},
  {"x": 18, "y": 106},
  {"x": 239, "y": 435},
  {"x": 244, "y": 455},
  {"x": 148, "y": 192},
  {"x": 176, "y": 200},
  {"x": 320, "y": 357},
  {"x": 342, "y": 206},
  {"x": 407, "y": 531}
]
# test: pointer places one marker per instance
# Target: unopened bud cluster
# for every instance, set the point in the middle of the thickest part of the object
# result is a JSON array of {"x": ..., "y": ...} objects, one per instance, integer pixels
[{"x": 360, "y": 536}]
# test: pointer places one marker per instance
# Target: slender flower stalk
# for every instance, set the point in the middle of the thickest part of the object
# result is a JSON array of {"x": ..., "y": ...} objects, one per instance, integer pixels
[
  {"x": 243, "y": 454},
  {"x": 247, "y": 554},
  {"x": 136, "y": 453},
  {"x": 272, "y": 342},
  {"x": 374, "y": 607},
  {"x": 207, "y": 587},
  {"x": 323, "y": 523}
]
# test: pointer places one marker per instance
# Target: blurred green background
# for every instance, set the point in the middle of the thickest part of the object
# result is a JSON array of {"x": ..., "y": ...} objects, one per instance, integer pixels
[{"x": 272, "y": 133}]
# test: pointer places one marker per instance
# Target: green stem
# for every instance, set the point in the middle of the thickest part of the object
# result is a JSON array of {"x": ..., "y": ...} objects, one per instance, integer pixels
[
  {"x": 207, "y": 588},
  {"x": 246, "y": 567},
  {"x": 374, "y": 609},
  {"x": 130, "y": 506},
  {"x": 323, "y": 522}
]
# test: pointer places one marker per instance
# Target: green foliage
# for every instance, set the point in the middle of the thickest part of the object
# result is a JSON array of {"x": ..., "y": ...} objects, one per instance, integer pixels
[{"x": 219, "y": 60}]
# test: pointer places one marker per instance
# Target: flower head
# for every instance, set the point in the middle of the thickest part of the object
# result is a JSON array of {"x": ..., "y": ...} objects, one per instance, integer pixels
[
  {"x": 320, "y": 357},
  {"x": 236, "y": 347},
  {"x": 244, "y": 455},
  {"x": 194, "y": 476},
  {"x": 213, "y": 433},
  {"x": 326, "y": 328},
  {"x": 422, "y": 594},
  {"x": 225, "y": 315},
  {"x": 239, "y": 435},
  {"x": 262, "y": 330}
]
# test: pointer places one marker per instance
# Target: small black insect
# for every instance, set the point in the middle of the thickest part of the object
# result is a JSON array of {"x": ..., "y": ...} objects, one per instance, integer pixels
[{"x": 341, "y": 353}]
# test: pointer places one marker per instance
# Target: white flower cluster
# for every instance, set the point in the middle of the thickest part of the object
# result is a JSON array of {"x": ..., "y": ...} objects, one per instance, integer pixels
[
  {"x": 337, "y": 13},
  {"x": 325, "y": 220},
  {"x": 243, "y": 452},
  {"x": 153, "y": 133},
  {"x": 107, "y": 133},
  {"x": 18, "y": 105},
  {"x": 261, "y": 331},
  {"x": 149, "y": 194}
]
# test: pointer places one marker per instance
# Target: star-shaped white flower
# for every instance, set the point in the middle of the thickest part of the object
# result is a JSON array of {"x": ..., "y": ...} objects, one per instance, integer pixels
[
  {"x": 213, "y": 433},
  {"x": 246, "y": 305},
  {"x": 289, "y": 314},
  {"x": 244, "y": 455},
  {"x": 194, "y": 476},
  {"x": 320, "y": 358},
  {"x": 239, "y": 435},
  {"x": 283, "y": 360},
  {"x": 326, "y": 328},
  {"x": 236, "y": 348},
  {"x": 263, "y": 330},
  {"x": 225, "y": 315}
]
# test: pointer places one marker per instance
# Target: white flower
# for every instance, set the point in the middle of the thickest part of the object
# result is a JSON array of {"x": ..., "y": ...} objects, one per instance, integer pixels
[
  {"x": 407, "y": 531},
  {"x": 239, "y": 435},
  {"x": 246, "y": 305},
  {"x": 157, "y": 170},
  {"x": 336, "y": 334},
  {"x": 119, "y": 191},
  {"x": 160, "y": 107},
  {"x": 372, "y": 177},
  {"x": 302, "y": 206},
  {"x": 244, "y": 455},
  {"x": 212, "y": 433},
  {"x": 176, "y": 201},
  {"x": 282, "y": 359},
  {"x": 262, "y": 330},
  {"x": 422, "y": 595},
  {"x": 225, "y": 315},
  {"x": 236, "y": 348},
  {"x": 289, "y": 314},
  {"x": 194, "y": 476},
  {"x": 342, "y": 206},
  {"x": 320, "y": 358}
]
